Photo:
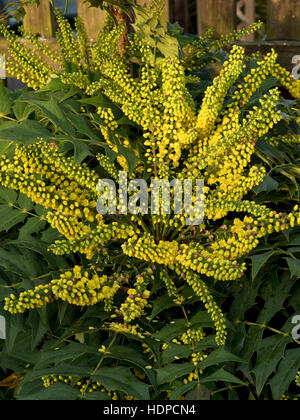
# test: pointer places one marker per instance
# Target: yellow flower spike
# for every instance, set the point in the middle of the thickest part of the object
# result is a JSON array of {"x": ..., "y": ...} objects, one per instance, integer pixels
[{"x": 216, "y": 93}]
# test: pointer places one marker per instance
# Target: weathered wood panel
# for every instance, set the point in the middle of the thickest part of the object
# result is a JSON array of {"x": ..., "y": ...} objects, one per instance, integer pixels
[
  {"x": 92, "y": 17},
  {"x": 40, "y": 19},
  {"x": 180, "y": 13},
  {"x": 283, "y": 19},
  {"x": 288, "y": 53},
  {"x": 218, "y": 14},
  {"x": 245, "y": 11}
]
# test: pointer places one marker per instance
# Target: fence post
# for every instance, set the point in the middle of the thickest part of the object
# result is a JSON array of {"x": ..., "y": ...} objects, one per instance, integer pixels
[
  {"x": 245, "y": 10},
  {"x": 180, "y": 13},
  {"x": 40, "y": 19},
  {"x": 283, "y": 19},
  {"x": 218, "y": 14},
  {"x": 93, "y": 18}
]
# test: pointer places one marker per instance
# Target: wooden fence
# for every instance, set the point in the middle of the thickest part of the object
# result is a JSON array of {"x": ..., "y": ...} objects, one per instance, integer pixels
[
  {"x": 282, "y": 26},
  {"x": 282, "y": 22}
]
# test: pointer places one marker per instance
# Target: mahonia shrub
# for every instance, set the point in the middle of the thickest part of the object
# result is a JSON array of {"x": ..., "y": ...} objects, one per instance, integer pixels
[{"x": 121, "y": 263}]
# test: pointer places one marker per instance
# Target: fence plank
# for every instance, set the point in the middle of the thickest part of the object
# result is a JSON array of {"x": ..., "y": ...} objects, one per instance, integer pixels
[
  {"x": 92, "y": 17},
  {"x": 245, "y": 10},
  {"x": 218, "y": 14},
  {"x": 40, "y": 19},
  {"x": 283, "y": 19},
  {"x": 288, "y": 52},
  {"x": 180, "y": 13}
]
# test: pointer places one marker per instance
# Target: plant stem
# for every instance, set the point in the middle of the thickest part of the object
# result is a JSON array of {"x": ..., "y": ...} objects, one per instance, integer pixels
[
  {"x": 254, "y": 324},
  {"x": 99, "y": 364}
]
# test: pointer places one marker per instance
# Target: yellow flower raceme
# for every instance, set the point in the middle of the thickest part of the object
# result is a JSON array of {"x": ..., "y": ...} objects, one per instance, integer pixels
[
  {"x": 192, "y": 336},
  {"x": 215, "y": 94},
  {"x": 94, "y": 238},
  {"x": 201, "y": 290},
  {"x": 287, "y": 80},
  {"x": 77, "y": 287},
  {"x": 137, "y": 298}
]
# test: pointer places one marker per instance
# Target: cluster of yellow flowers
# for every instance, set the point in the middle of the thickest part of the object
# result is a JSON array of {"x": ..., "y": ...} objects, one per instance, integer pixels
[
  {"x": 214, "y": 141},
  {"x": 87, "y": 244},
  {"x": 33, "y": 168},
  {"x": 171, "y": 287},
  {"x": 126, "y": 329},
  {"x": 146, "y": 249},
  {"x": 192, "y": 336},
  {"x": 137, "y": 298},
  {"x": 287, "y": 398},
  {"x": 24, "y": 64},
  {"x": 287, "y": 138},
  {"x": 199, "y": 48},
  {"x": 77, "y": 287},
  {"x": 110, "y": 126},
  {"x": 198, "y": 358},
  {"x": 83, "y": 385},
  {"x": 30, "y": 299},
  {"x": 200, "y": 289}
]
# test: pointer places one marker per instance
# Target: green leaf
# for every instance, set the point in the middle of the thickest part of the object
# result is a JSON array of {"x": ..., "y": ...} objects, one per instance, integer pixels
[
  {"x": 14, "y": 325},
  {"x": 222, "y": 375},
  {"x": 181, "y": 390},
  {"x": 81, "y": 150},
  {"x": 270, "y": 352},
  {"x": 220, "y": 356},
  {"x": 25, "y": 132},
  {"x": 245, "y": 299},
  {"x": 7, "y": 195},
  {"x": 5, "y": 102},
  {"x": 268, "y": 184},
  {"x": 176, "y": 351},
  {"x": 40, "y": 247},
  {"x": 99, "y": 100},
  {"x": 276, "y": 296},
  {"x": 63, "y": 369},
  {"x": 80, "y": 123},
  {"x": 32, "y": 225},
  {"x": 286, "y": 373},
  {"x": 70, "y": 93},
  {"x": 24, "y": 202},
  {"x": 54, "y": 85},
  {"x": 161, "y": 303},
  {"x": 294, "y": 266},
  {"x": 258, "y": 262},
  {"x": 54, "y": 112},
  {"x": 22, "y": 109},
  {"x": 173, "y": 371},
  {"x": 199, "y": 393},
  {"x": 71, "y": 352},
  {"x": 129, "y": 354},
  {"x": 56, "y": 392},
  {"x": 121, "y": 379},
  {"x": 96, "y": 396},
  {"x": 201, "y": 319},
  {"x": 168, "y": 46},
  {"x": 171, "y": 331},
  {"x": 10, "y": 217},
  {"x": 39, "y": 328}
]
